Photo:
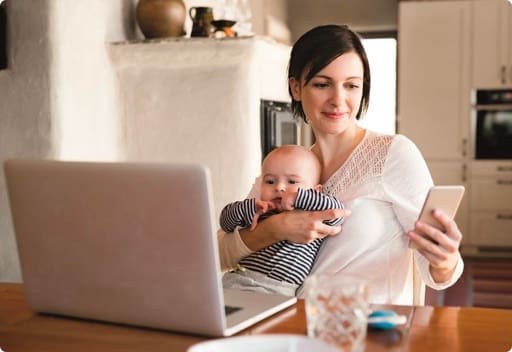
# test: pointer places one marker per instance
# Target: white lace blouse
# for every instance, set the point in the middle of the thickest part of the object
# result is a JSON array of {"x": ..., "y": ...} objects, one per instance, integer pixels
[{"x": 383, "y": 183}]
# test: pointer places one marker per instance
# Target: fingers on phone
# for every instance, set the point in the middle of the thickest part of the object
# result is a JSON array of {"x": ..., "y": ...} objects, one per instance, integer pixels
[
  {"x": 435, "y": 240},
  {"x": 451, "y": 229}
]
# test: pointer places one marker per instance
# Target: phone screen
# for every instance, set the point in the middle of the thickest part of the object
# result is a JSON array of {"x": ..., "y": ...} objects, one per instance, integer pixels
[{"x": 444, "y": 198}]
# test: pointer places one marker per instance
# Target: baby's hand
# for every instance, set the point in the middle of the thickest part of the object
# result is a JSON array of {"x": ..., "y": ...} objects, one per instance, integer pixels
[
  {"x": 262, "y": 207},
  {"x": 288, "y": 200}
]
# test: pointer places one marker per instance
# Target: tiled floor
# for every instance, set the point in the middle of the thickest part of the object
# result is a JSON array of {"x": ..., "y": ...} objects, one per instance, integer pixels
[{"x": 484, "y": 283}]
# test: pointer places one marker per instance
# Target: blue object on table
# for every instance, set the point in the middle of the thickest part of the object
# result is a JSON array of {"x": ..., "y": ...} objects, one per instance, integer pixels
[{"x": 385, "y": 319}]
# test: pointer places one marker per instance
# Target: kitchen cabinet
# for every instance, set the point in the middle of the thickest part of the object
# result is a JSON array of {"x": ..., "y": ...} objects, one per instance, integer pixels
[
  {"x": 433, "y": 76},
  {"x": 492, "y": 43},
  {"x": 491, "y": 203},
  {"x": 445, "y": 50},
  {"x": 434, "y": 88}
]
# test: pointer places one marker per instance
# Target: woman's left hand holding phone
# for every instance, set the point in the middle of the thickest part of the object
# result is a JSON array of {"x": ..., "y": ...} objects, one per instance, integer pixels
[{"x": 443, "y": 254}]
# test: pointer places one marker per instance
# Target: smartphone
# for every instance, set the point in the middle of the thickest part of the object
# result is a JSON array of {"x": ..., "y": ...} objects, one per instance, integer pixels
[{"x": 445, "y": 198}]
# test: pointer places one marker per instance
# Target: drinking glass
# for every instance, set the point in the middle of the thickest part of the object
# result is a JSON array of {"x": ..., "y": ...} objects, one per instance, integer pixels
[{"x": 337, "y": 310}]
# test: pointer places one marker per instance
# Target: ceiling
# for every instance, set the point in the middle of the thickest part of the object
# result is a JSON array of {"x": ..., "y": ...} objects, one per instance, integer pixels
[{"x": 361, "y": 15}]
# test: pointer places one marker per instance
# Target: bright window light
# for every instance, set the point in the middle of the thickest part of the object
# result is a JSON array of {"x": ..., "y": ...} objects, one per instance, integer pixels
[{"x": 381, "y": 114}]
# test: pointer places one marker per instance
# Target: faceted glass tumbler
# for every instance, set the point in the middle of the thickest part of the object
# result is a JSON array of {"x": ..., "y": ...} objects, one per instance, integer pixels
[{"x": 337, "y": 310}]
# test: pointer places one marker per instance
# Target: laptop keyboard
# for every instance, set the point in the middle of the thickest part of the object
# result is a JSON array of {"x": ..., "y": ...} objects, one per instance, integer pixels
[{"x": 230, "y": 309}]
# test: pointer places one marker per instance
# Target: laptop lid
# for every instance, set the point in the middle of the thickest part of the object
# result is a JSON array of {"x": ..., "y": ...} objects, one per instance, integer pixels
[{"x": 130, "y": 243}]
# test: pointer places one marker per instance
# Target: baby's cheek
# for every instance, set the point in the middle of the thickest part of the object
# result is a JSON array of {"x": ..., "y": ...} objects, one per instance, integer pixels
[
  {"x": 295, "y": 188},
  {"x": 265, "y": 194}
]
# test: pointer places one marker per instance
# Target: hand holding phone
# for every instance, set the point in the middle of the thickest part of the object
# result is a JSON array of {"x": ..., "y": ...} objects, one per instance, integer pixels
[{"x": 444, "y": 198}]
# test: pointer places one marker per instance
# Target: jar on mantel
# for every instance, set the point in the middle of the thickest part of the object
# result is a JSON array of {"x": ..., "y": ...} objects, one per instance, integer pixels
[{"x": 161, "y": 18}]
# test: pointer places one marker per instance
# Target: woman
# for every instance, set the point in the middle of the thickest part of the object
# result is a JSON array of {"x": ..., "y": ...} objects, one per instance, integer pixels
[{"x": 382, "y": 179}]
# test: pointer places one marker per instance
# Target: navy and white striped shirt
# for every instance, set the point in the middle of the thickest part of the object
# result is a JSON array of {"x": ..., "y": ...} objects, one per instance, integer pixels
[{"x": 283, "y": 261}]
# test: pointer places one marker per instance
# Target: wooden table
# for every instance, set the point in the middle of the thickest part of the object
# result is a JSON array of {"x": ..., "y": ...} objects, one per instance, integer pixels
[{"x": 431, "y": 329}]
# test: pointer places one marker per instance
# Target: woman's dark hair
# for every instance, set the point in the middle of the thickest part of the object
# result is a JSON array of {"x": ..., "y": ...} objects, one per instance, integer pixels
[{"x": 316, "y": 49}]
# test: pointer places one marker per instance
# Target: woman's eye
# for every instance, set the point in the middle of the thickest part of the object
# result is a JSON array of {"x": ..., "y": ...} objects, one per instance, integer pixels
[
  {"x": 320, "y": 85},
  {"x": 352, "y": 86}
]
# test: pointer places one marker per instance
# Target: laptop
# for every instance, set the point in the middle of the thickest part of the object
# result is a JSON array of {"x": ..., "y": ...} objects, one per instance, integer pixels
[{"x": 129, "y": 243}]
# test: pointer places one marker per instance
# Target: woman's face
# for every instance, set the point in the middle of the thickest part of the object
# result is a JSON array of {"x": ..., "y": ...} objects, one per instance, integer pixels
[{"x": 332, "y": 97}]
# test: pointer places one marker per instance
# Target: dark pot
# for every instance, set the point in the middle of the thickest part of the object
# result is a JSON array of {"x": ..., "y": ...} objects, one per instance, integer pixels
[{"x": 161, "y": 18}]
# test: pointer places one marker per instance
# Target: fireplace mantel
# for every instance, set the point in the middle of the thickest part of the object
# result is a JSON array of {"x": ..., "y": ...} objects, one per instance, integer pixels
[
  {"x": 268, "y": 57},
  {"x": 198, "y": 100}
]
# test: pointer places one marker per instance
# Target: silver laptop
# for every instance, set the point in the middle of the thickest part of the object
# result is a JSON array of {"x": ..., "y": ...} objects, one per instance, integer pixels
[{"x": 130, "y": 243}]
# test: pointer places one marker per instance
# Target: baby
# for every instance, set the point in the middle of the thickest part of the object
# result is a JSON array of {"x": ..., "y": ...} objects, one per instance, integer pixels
[{"x": 290, "y": 179}]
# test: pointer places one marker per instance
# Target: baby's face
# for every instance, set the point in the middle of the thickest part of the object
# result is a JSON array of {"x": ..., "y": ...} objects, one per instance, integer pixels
[{"x": 286, "y": 172}]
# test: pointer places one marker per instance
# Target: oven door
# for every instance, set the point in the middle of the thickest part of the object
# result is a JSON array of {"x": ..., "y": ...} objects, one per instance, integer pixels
[
  {"x": 493, "y": 132},
  {"x": 278, "y": 126}
]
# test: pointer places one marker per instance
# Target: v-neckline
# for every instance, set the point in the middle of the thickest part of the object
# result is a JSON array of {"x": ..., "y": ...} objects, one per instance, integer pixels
[{"x": 349, "y": 158}]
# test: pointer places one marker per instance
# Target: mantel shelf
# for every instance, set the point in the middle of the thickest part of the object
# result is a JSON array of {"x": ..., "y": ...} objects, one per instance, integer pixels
[
  {"x": 203, "y": 53},
  {"x": 186, "y": 39}
]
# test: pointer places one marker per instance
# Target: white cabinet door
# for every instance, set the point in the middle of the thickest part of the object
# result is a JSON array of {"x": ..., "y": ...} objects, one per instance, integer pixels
[
  {"x": 492, "y": 194},
  {"x": 492, "y": 47},
  {"x": 491, "y": 203},
  {"x": 433, "y": 76},
  {"x": 491, "y": 229}
]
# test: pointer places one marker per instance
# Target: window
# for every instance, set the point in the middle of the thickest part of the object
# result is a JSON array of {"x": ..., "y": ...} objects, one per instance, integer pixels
[{"x": 381, "y": 52}]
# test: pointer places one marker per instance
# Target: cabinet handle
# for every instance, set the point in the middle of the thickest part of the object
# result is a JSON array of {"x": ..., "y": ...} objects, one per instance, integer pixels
[
  {"x": 504, "y": 168},
  {"x": 503, "y": 74},
  {"x": 464, "y": 173},
  {"x": 504, "y": 216},
  {"x": 504, "y": 182},
  {"x": 464, "y": 146}
]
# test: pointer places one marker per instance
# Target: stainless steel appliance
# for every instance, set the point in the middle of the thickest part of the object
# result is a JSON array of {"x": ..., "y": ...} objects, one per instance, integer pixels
[
  {"x": 278, "y": 126},
  {"x": 492, "y": 124}
]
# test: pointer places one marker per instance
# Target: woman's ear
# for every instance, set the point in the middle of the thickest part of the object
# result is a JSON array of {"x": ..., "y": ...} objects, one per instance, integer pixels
[{"x": 294, "y": 88}]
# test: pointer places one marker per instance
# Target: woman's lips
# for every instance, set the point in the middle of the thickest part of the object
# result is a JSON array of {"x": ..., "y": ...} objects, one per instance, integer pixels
[{"x": 335, "y": 115}]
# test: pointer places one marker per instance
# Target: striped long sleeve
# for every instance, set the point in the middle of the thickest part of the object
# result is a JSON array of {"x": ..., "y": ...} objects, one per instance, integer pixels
[
  {"x": 312, "y": 200},
  {"x": 288, "y": 261},
  {"x": 238, "y": 213}
]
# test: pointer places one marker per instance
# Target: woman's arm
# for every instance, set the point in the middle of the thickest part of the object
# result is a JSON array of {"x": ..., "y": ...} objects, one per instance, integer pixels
[
  {"x": 296, "y": 226},
  {"x": 408, "y": 179},
  {"x": 231, "y": 249}
]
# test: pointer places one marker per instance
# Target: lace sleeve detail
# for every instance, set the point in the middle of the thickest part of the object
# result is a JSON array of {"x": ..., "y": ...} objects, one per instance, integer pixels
[{"x": 365, "y": 162}]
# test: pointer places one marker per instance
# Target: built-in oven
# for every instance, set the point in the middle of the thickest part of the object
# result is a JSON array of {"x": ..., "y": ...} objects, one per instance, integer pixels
[
  {"x": 492, "y": 124},
  {"x": 278, "y": 125}
]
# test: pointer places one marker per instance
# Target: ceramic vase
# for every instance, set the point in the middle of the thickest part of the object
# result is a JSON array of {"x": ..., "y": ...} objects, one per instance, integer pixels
[
  {"x": 202, "y": 17},
  {"x": 161, "y": 18}
]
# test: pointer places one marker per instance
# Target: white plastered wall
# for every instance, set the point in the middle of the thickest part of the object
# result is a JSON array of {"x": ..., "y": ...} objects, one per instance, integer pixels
[{"x": 67, "y": 94}]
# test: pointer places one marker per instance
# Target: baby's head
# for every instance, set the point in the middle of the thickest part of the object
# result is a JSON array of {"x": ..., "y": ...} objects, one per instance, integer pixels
[{"x": 287, "y": 168}]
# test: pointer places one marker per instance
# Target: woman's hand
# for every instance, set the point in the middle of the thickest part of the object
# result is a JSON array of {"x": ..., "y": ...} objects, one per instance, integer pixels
[
  {"x": 444, "y": 254},
  {"x": 296, "y": 226}
]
